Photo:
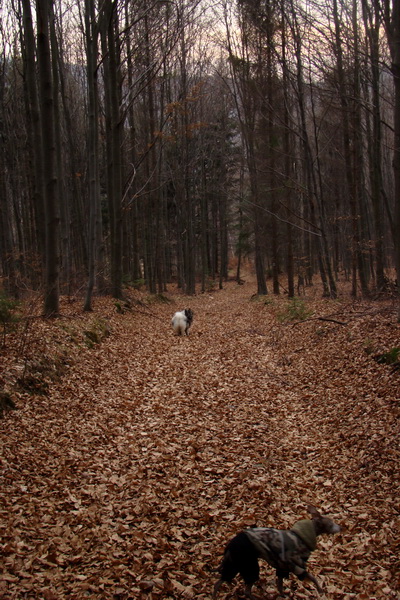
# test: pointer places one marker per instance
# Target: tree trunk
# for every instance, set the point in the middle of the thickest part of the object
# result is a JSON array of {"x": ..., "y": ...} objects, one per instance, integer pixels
[
  {"x": 34, "y": 125},
  {"x": 287, "y": 140},
  {"x": 350, "y": 151},
  {"x": 328, "y": 281},
  {"x": 91, "y": 32},
  {"x": 390, "y": 11},
  {"x": 372, "y": 26},
  {"x": 51, "y": 294},
  {"x": 109, "y": 27},
  {"x": 394, "y": 42},
  {"x": 396, "y": 157},
  {"x": 258, "y": 229},
  {"x": 57, "y": 74}
]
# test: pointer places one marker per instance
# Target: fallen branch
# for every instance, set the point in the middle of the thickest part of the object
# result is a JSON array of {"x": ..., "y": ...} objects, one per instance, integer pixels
[
  {"x": 321, "y": 319},
  {"x": 332, "y": 320}
]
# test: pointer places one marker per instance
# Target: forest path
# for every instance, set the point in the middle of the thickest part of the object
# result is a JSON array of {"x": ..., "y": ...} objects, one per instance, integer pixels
[{"x": 154, "y": 449}]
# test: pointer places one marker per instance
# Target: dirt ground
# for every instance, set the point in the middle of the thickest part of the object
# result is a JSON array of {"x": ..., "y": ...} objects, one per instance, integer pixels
[{"x": 132, "y": 459}]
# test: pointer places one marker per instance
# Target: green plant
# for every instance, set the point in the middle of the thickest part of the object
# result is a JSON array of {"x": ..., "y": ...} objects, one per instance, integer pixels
[
  {"x": 392, "y": 357},
  {"x": 40, "y": 371},
  {"x": 118, "y": 307},
  {"x": 295, "y": 310},
  {"x": 99, "y": 329},
  {"x": 137, "y": 284},
  {"x": 8, "y": 316},
  {"x": 122, "y": 306},
  {"x": 74, "y": 334}
]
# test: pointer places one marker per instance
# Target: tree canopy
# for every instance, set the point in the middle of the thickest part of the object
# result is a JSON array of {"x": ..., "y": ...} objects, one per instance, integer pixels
[{"x": 144, "y": 143}]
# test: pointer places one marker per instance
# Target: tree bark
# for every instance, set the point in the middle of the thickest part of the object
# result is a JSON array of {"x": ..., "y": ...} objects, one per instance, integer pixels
[
  {"x": 372, "y": 27},
  {"x": 91, "y": 31},
  {"x": 109, "y": 33},
  {"x": 51, "y": 292},
  {"x": 34, "y": 125}
]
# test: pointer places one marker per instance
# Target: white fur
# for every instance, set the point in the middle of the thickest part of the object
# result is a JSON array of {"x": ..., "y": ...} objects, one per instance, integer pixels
[{"x": 179, "y": 323}]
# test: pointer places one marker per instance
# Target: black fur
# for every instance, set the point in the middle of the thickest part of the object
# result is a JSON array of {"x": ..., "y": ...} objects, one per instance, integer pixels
[
  {"x": 189, "y": 315},
  {"x": 240, "y": 557},
  {"x": 182, "y": 321}
]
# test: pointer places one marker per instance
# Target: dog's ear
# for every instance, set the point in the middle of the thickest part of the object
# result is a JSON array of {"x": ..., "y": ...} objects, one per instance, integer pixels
[{"x": 313, "y": 511}]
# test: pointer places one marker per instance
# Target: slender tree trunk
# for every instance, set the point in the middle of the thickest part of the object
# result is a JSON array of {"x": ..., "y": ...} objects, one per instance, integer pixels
[
  {"x": 109, "y": 27},
  {"x": 35, "y": 133},
  {"x": 287, "y": 137},
  {"x": 358, "y": 160},
  {"x": 392, "y": 25},
  {"x": 328, "y": 281},
  {"x": 8, "y": 262},
  {"x": 57, "y": 74},
  {"x": 153, "y": 213},
  {"x": 372, "y": 26},
  {"x": 350, "y": 151},
  {"x": 189, "y": 255},
  {"x": 269, "y": 107},
  {"x": 135, "y": 272},
  {"x": 258, "y": 219},
  {"x": 51, "y": 299},
  {"x": 204, "y": 226},
  {"x": 91, "y": 32},
  {"x": 396, "y": 159},
  {"x": 223, "y": 266},
  {"x": 246, "y": 111},
  {"x": 116, "y": 141}
]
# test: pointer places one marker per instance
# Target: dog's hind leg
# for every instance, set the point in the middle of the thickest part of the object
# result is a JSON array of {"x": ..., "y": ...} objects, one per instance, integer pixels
[
  {"x": 279, "y": 585},
  {"x": 314, "y": 581},
  {"x": 228, "y": 570}
]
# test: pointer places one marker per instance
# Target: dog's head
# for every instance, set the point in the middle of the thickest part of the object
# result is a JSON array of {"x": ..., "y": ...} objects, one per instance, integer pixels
[
  {"x": 189, "y": 315},
  {"x": 322, "y": 524}
]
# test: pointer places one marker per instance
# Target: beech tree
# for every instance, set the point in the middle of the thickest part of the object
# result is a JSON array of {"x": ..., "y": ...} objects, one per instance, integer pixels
[
  {"x": 160, "y": 134},
  {"x": 48, "y": 149},
  {"x": 92, "y": 33},
  {"x": 391, "y": 19}
]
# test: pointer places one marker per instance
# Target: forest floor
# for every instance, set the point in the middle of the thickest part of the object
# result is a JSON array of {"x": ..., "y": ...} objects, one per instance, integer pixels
[{"x": 135, "y": 455}]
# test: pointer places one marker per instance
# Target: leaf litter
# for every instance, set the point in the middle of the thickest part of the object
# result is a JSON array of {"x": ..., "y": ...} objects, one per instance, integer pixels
[{"x": 127, "y": 478}]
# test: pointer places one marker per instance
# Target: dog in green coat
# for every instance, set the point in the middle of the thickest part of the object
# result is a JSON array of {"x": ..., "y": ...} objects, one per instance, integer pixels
[{"x": 285, "y": 550}]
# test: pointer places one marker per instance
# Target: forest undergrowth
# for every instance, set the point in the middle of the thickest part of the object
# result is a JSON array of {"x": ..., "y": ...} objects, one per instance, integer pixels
[{"x": 134, "y": 455}]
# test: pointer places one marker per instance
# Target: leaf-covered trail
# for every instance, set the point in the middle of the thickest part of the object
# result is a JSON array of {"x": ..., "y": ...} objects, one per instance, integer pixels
[{"x": 153, "y": 450}]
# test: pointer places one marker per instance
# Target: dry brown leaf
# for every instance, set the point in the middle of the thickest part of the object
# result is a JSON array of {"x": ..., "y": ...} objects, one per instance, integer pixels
[{"x": 129, "y": 477}]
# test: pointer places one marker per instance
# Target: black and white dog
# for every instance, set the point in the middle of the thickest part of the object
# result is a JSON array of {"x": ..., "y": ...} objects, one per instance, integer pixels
[
  {"x": 287, "y": 551},
  {"x": 182, "y": 321}
]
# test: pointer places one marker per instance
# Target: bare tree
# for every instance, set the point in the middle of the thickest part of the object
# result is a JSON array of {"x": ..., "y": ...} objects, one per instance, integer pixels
[
  {"x": 391, "y": 19},
  {"x": 92, "y": 33},
  {"x": 48, "y": 148}
]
